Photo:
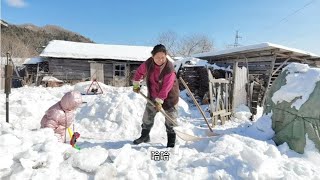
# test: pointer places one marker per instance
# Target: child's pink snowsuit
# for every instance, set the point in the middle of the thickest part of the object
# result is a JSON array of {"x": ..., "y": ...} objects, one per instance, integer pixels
[{"x": 60, "y": 116}]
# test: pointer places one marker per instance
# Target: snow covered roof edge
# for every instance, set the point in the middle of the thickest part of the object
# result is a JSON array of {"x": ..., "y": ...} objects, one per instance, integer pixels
[
  {"x": 80, "y": 50},
  {"x": 255, "y": 47}
]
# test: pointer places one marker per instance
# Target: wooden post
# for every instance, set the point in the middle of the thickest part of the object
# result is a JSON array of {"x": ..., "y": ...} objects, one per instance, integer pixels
[
  {"x": 275, "y": 71},
  {"x": 211, "y": 100},
  {"x": 248, "y": 85},
  {"x": 269, "y": 80},
  {"x": 235, "y": 66},
  {"x": 218, "y": 103},
  {"x": 211, "y": 86},
  {"x": 37, "y": 74},
  {"x": 229, "y": 92},
  {"x": 251, "y": 93},
  {"x": 227, "y": 97}
]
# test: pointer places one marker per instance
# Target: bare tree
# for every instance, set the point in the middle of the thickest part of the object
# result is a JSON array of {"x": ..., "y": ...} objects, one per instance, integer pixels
[
  {"x": 187, "y": 45},
  {"x": 15, "y": 47},
  {"x": 194, "y": 44},
  {"x": 170, "y": 40}
]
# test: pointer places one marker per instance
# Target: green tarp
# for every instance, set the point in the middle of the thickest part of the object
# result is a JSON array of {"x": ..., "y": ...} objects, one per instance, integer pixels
[{"x": 291, "y": 125}]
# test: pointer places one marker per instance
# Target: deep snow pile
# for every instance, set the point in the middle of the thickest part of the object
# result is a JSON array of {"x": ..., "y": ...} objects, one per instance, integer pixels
[
  {"x": 294, "y": 91},
  {"x": 194, "y": 62},
  {"x": 109, "y": 122}
]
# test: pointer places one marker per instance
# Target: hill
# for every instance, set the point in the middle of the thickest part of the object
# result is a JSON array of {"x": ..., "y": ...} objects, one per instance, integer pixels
[{"x": 26, "y": 40}]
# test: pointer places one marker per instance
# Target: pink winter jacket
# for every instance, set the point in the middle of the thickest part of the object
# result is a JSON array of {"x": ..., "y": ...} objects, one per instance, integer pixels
[
  {"x": 156, "y": 92},
  {"x": 60, "y": 116}
]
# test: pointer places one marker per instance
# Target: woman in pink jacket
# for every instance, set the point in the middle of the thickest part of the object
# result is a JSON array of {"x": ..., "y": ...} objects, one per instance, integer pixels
[
  {"x": 61, "y": 115},
  {"x": 163, "y": 89}
]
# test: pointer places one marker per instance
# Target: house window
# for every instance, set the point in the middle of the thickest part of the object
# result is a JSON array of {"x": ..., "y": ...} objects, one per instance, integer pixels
[{"x": 120, "y": 70}]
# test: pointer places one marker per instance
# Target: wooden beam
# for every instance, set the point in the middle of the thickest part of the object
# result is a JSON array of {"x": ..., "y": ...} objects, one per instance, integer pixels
[
  {"x": 292, "y": 57},
  {"x": 235, "y": 65},
  {"x": 211, "y": 96},
  {"x": 210, "y": 75},
  {"x": 285, "y": 62},
  {"x": 216, "y": 113},
  {"x": 219, "y": 81},
  {"x": 255, "y": 59},
  {"x": 225, "y": 114},
  {"x": 247, "y": 53},
  {"x": 218, "y": 102},
  {"x": 248, "y": 85},
  {"x": 269, "y": 80}
]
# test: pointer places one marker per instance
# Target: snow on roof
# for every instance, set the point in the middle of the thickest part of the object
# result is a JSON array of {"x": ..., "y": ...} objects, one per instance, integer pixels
[
  {"x": 79, "y": 50},
  {"x": 257, "y": 47},
  {"x": 50, "y": 79},
  {"x": 34, "y": 60},
  {"x": 192, "y": 62},
  {"x": 177, "y": 58},
  {"x": 3, "y": 23}
]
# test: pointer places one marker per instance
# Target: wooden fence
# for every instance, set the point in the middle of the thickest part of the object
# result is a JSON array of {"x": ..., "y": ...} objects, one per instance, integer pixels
[{"x": 220, "y": 99}]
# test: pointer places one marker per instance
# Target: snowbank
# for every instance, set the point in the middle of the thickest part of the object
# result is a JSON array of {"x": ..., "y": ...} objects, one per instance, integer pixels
[
  {"x": 301, "y": 81},
  {"x": 109, "y": 122}
]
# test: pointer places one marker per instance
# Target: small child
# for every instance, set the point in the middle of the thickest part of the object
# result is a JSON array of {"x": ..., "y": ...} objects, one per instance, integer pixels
[{"x": 61, "y": 115}]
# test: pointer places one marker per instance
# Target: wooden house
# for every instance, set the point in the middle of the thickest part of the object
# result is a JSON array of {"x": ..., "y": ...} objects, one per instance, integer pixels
[{"x": 111, "y": 64}]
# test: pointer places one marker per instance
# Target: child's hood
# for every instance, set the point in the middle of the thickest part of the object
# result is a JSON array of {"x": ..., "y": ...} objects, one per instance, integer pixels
[{"x": 71, "y": 100}]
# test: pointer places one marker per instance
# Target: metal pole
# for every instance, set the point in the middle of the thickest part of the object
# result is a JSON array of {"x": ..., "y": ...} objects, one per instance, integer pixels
[
  {"x": 7, "y": 92},
  {"x": 7, "y": 107}
]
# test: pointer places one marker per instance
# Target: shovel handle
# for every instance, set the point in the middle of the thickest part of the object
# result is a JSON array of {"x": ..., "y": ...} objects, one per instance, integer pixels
[
  {"x": 196, "y": 103},
  {"x": 162, "y": 111}
]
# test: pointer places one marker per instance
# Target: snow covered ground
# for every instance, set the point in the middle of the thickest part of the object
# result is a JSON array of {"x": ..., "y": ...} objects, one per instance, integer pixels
[{"x": 109, "y": 122}]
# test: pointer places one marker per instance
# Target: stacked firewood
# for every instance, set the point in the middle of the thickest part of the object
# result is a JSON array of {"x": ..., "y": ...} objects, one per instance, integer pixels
[{"x": 197, "y": 79}]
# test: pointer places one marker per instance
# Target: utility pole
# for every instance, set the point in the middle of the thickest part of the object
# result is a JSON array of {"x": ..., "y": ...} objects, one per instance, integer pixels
[{"x": 236, "y": 39}]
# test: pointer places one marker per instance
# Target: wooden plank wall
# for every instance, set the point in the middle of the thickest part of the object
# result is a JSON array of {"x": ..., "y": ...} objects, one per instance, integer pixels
[
  {"x": 78, "y": 69},
  {"x": 133, "y": 68},
  {"x": 258, "y": 77},
  {"x": 69, "y": 69},
  {"x": 240, "y": 82},
  {"x": 197, "y": 79}
]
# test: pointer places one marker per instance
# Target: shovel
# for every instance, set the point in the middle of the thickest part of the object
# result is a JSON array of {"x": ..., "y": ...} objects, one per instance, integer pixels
[
  {"x": 74, "y": 136},
  {"x": 182, "y": 135}
]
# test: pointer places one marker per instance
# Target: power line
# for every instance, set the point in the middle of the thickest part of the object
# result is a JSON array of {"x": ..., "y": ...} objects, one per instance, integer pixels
[
  {"x": 285, "y": 19},
  {"x": 296, "y": 11}
]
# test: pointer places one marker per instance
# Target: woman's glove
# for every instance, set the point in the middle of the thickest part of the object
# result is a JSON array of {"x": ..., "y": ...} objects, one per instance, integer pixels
[
  {"x": 158, "y": 107},
  {"x": 158, "y": 104},
  {"x": 136, "y": 88}
]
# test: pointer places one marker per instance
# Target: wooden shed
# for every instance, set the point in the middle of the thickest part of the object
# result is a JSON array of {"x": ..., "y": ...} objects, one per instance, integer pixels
[
  {"x": 35, "y": 69},
  {"x": 194, "y": 72},
  {"x": 111, "y": 64},
  {"x": 264, "y": 63}
]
